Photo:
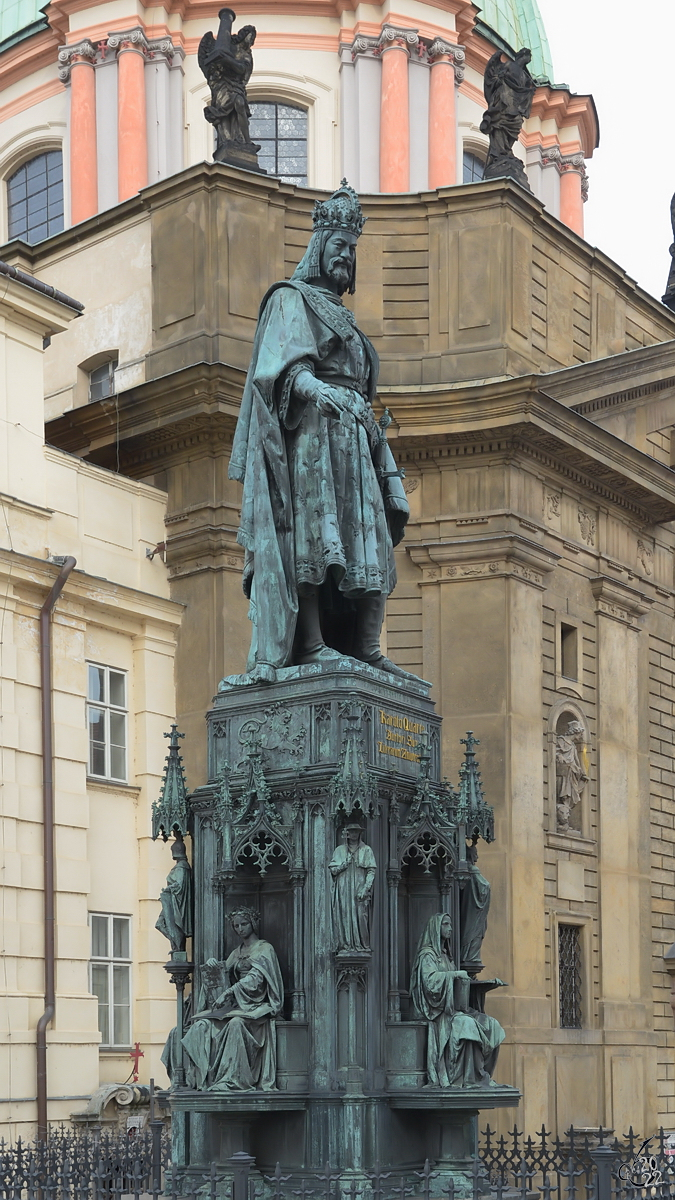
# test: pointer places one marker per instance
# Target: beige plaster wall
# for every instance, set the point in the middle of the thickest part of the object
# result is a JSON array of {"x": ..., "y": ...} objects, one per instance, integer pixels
[{"x": 115, "y": 609}]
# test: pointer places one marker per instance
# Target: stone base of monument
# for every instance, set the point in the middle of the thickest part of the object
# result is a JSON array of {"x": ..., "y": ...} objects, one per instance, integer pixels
[
  {"x": 245, "y": 157},
  {"x": 509, "y": 167},
  {"x": 292, "y": 766}
]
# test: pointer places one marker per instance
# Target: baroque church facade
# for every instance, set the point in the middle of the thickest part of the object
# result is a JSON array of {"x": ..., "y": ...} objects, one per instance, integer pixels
[{"x": 532, "y": 389}]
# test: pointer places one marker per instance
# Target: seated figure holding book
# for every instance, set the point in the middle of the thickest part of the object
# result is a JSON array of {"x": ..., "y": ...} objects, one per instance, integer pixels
[
  {"x": 231, "y": 1045},
  {"x": 462, "y": 1043}
]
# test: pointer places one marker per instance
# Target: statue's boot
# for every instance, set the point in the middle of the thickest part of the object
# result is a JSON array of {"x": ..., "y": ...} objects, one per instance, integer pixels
[
  {"x": 311, "y": 647},
  {"x": 369, "y": 618}
]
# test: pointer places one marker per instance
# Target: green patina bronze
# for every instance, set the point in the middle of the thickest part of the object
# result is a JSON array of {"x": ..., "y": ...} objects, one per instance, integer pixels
[{"x": 323, "y": 504}]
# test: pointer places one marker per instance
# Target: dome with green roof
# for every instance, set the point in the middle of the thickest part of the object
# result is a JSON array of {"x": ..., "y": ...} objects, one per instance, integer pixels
[
  {"x": 518, "y": 23},
  {"x": 18, "y": 18}
]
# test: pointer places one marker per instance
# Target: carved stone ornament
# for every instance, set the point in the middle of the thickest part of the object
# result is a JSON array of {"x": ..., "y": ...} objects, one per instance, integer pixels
[
  {"x": 392, "y": 33},
  {"x": 586, "y": 526},
  {"x": 645, "y": 557},
  {"x": 81, "y": 50},
  {"x": 552, "y": 505},
  {"x": 441, "y": 49},
  {"x": 571, "y": 777}
]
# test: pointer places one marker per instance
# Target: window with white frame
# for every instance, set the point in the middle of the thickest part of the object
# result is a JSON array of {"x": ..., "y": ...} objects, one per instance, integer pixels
[
  {"x": 107, "y": 722},
  {"x": 110, "y": 976},
  {"x": 102, "y": 380},
  {"x": 35, "y": 198}
]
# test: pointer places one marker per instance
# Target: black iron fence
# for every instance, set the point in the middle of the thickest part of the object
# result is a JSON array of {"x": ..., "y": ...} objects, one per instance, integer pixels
[{"x": 581, "y": 1165}]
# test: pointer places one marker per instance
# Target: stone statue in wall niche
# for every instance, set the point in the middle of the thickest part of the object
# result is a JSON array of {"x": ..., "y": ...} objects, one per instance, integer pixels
[
  {"x": 227, "y": 63},
  {"x": 571, "y": 778},
  {"x": 231, "y": 1044},
  {"x": 509, "y": 89},
  {"x": 462, "y": 1043},
  {"x": 175, "y": 919},
  {"x": 353, "y": 868},
  {"x": 474, "y": 907},
  {"x": 323, "y": 504}
]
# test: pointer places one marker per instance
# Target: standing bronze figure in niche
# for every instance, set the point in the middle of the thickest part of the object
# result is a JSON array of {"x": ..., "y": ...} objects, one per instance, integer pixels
[
  {"x": 353, "y": 868},
  {"x": 175, "y": 919},
  {"x": 231, "y": 1046},
  {"x": 462, "y": 1043},
  {"x": 323, "y": 503}
]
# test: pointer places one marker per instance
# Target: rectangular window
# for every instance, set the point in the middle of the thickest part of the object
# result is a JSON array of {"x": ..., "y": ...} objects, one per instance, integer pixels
[
  {"x": 102, "y": 381},
  {"x": 568, "y": 651},
  {"x": 569, "y": 976},
  {"x": 107, "y": 722},
  {"x": 110, "y": 970}
]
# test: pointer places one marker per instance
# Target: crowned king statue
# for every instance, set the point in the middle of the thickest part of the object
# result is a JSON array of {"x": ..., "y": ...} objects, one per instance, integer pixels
[{"x": 323, "y": 504}]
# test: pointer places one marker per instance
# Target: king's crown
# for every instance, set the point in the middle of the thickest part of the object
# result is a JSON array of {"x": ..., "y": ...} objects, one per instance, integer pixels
[{"x": 342, "y": 211}]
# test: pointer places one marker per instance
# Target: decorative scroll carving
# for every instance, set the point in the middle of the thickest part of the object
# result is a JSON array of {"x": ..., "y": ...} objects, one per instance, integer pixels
[{"x": 586, "y": 525}]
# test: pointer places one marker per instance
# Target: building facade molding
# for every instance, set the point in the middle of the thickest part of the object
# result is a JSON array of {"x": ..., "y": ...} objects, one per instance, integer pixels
[
  {"x": 491, "y": 556},
  {"x": 619, "y": 602}
]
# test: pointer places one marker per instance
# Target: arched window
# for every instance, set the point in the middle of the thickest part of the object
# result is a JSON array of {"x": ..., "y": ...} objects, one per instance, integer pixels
[
  {"x": 35, "y": 198},
  {"x": 474, "y": 167},
  {"x": 281, "y": 130}
]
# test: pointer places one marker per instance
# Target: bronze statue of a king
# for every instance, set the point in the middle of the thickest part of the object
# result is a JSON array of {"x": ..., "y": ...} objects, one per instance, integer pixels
[{"x": 323, "y": 504}]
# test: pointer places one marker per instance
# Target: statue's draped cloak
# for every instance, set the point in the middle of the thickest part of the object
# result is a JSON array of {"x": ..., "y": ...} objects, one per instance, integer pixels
[
  {"x": 350, "y": 915},
  {"x": 175, "y": 919},
  {"x": 461, "y": 1046},
  {"x": 312, "y": 505},
  {"x": 474, "y": 906},
  {"x": 238, "y": 1053}
]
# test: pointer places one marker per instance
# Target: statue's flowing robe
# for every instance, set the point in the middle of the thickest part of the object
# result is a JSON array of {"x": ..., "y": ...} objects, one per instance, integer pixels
[
  {"x": 474, "y": 907},
  {"x": 238, "y": 1052},
  {"x": 175, "y": 919},
  {"x": 314, "y": 506},
  {"x": 351, "y": 873},
  {"x": 570, "y": 773},
  {"x": 462, "y": 1047}
]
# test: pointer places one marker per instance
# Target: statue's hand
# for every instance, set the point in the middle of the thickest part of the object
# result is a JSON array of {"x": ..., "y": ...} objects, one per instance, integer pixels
[
  {"x": 328, "y": 401},
  {"x": 211, "y": 962}
]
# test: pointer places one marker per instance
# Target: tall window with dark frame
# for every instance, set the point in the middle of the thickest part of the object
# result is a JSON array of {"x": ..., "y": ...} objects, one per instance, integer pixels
[
  {"x": 473, "y": 168},
  {"x": 569, "y": 976},
  {"x": 281, "y": 131},
  {"x": 35, "y": 198}
]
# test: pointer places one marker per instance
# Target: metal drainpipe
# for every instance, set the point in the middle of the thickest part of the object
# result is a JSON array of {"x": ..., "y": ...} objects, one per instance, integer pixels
[{"x": 47, "y": 837}]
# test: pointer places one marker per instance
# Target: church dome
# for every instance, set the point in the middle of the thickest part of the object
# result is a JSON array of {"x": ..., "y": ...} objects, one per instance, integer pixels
[
  {"x": 21, "y": 17},
  {"x": 519, "y": 23}
]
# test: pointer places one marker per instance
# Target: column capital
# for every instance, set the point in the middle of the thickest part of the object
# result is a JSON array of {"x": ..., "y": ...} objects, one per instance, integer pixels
[
  {"x": 368, "y": 46},
  {"x": 393, "y": 36},
  {"x": 130, "y": 39},
  {"x": 439, "y": 50},
  {"x": 69, "y": 56},
  {"x": 575, "y": 162}
]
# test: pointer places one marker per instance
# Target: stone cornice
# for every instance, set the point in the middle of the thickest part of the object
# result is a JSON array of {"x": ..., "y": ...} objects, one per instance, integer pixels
[
  {"x": 505, "y": 417},
  {"x": 488, "y": 556},
  {"x": 618, "y": 601}
]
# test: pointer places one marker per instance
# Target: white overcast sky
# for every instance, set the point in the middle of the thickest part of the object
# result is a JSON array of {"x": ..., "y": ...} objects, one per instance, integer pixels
[{"x": 622, "y": 52}]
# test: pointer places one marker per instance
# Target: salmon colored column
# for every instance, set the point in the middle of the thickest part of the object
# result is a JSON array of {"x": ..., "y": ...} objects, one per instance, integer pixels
[
  {"x": 132, "y": 137},
  {"x": 83, "y": 162},
  {"x": 394, "y": 119},
  {"x": 571, "y": 197},
  {"x": 442, "y": 130}
]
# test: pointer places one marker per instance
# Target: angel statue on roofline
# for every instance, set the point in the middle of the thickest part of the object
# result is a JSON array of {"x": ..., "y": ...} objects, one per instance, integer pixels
[{"x": 509, "y": 89}]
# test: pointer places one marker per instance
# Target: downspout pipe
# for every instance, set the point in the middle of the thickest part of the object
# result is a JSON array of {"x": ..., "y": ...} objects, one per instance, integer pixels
[{"x": 47, "y": 721}]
